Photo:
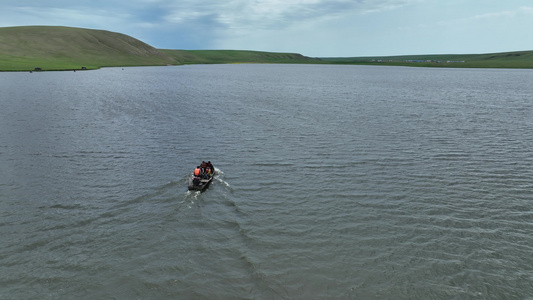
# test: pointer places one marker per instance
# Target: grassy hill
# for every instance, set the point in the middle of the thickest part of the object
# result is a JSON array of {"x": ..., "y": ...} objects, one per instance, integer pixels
[
  {"x": 236, "y": 56},
  {"x": 61, "y": 48},
  {"x": 519, "y": 59},
  {"x": 66, "y": 48}
]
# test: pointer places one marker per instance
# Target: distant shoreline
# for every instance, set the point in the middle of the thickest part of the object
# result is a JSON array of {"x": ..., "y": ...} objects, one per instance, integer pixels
[{"x": 465, "y": 65}]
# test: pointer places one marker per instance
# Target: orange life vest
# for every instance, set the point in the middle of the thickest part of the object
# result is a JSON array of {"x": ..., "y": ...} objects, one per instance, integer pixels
[{"x": 196, "y": 171}]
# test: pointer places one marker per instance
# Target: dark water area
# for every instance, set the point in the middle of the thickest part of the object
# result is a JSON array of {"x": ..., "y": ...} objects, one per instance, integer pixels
[{"x": 332, "y": 182}]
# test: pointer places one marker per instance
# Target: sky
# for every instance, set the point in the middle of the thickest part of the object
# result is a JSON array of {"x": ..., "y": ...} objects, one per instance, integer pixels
[{"x": 315, "y": 28}]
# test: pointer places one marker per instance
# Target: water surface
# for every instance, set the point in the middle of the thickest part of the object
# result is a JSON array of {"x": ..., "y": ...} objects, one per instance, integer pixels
[{"x": 339, "y": 182}]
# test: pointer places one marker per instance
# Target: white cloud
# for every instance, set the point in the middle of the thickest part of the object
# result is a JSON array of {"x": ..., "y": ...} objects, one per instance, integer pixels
[
  {"x": 28, "y": 15},
  {"x": 501, "y": 14},
  {"x": 504, "y": 15},
  {"x": 526, "y": 9},
  {"x": 273, "y": 13}
]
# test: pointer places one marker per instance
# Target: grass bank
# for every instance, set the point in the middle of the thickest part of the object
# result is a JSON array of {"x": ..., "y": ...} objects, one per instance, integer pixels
[
  {"x": 518, "y": 59},
  {"x": 64, "y": 48},
  {"x": 236, "y": 56}
]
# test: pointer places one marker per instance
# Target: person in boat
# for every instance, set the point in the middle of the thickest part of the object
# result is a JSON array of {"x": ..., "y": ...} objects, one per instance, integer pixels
[
  {"x": 196, "y": 177},
  {"x": 210, "y": 165},
  {"x": 203, "y": 170},
  {"x": 208, "y": 173}
]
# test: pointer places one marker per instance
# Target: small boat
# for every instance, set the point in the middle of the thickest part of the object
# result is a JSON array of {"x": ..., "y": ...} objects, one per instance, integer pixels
[
  {"x": 199, "y": 184},
  {"x": 200, "y": 181}
]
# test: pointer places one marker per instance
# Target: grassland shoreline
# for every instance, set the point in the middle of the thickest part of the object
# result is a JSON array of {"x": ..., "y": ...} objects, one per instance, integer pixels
[{"x": 57, "y": 48}]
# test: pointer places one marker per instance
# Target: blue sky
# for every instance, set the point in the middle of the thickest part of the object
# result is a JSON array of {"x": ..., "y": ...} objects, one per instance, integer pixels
[{"x": 317, "y": 28}]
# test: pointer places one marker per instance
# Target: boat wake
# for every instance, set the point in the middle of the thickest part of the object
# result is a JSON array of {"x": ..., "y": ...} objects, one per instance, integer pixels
[{"x": 219, "y": 177}]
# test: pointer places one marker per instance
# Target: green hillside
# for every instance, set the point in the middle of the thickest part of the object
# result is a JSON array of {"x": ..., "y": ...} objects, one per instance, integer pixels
[
  {"x": 518, "y": 59},
  {"x": 235, "y": 56},
  {"x": 62, "y": 48},
  {"x": 66, "y": 48}
]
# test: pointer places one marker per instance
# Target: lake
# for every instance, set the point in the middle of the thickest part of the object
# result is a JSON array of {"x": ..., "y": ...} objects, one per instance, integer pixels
[{"x": 332, "y": 182}]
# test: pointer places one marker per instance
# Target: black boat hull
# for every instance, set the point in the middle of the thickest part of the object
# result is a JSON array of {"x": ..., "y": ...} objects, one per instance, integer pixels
[{"x": 201, "y": 185}]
